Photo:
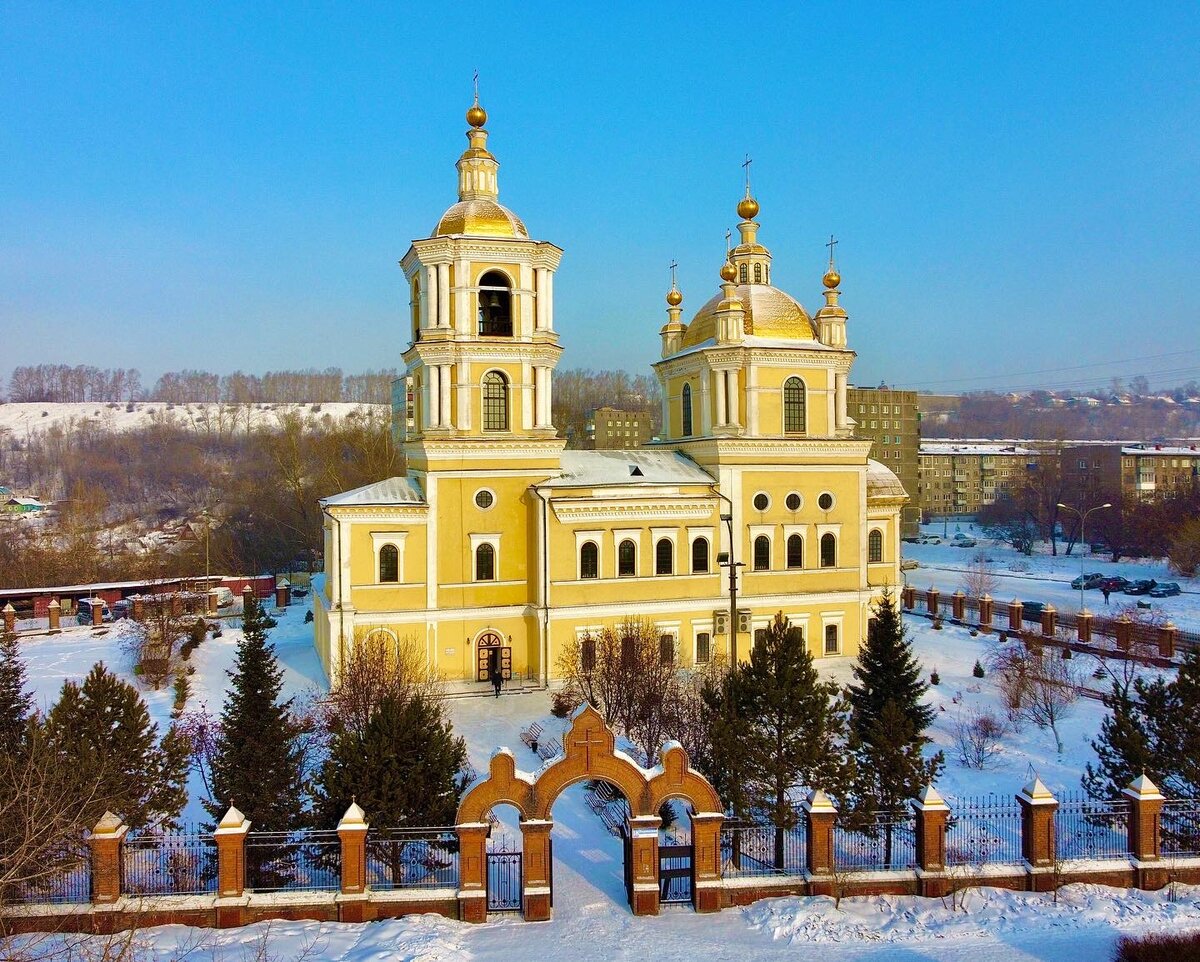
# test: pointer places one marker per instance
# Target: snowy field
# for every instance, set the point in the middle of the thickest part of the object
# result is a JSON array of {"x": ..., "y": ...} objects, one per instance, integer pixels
[{"x": 591, "y": 919}]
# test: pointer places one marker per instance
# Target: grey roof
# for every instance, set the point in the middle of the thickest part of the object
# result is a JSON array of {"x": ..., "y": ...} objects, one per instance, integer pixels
[
  {"x": 585, "y": 468},
  {"x": 882, "y": 483},
  {"x": 388, "y": 491}
]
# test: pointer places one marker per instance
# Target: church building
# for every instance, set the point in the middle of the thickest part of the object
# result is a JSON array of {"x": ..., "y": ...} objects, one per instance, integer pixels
[{"x": 499, "y": 547}]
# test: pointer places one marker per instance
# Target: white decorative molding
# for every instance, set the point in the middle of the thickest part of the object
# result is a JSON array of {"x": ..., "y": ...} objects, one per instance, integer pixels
[{"x": 578, "y": 512}]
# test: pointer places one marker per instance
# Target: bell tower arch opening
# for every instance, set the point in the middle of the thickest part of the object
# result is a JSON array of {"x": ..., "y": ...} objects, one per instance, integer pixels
[{"x": 495, "y": 305}]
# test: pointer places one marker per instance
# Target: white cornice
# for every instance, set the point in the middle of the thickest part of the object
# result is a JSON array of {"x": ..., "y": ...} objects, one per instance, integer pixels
[
  {"x": 474, "y": 350},
  {"x": 724, "y": 448},
  {"x": 390, "y": 512},
  {"x": 575, "y": 512}
]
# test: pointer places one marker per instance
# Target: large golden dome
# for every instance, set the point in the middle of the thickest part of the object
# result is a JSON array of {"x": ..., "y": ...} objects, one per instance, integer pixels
[
  {"x": 769, "y": 313},
  {"x": 480, "y": 218}
]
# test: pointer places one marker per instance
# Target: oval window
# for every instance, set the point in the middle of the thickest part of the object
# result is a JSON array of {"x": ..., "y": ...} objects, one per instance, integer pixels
[
  {"x": 761, "y": 501},
  {"x": 794, "y": 501},
  {"x": 484, "y": 499},
  {"x": 825, "y": 501}
]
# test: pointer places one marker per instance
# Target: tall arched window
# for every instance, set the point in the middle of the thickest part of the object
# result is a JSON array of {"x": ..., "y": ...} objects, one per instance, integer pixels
[
  {"x": 495, "y": 401},
  {"x": 700, "y": 556},
  {"x": 589, "y": 560},
  {"x": 743, "y": 274},
  {"x": 664, "y": 557},
  {"x": 795, "y": 551},
  {"x": 793, "y": 406},
  {"x": 686, "y": 405},
  {"x": 828, "y": 550},
  {"x": 495, "y": 305},
  {"x": 627, "y": 559},
  {"x": 758, "y": 273},
  {"x": 875, "y": 546},
  {"x": 389, "y": 563},
  {"x": 762, "y": 553},
  {"x": 416, "y": 308},
  {"x": 485, "y": 563}
]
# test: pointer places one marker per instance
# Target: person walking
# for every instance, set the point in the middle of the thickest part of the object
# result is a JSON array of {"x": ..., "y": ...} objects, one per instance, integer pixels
[
  {"x": 495, "y": 675},
  {"x": 1104, "y": 591}
]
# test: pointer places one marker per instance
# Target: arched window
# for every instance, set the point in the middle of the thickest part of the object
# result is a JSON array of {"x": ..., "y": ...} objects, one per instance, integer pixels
[
  {"x": 495, "y": 401},
  {"x": 795, "y": 551},
  {"x": 416, "y": 308},
  {"x": 389, "y": 563},
  {"x": 589, "y": 560},
  {"x": 828, "y": 550},
  {"x": 831, "y": 639},
  {"x": 700, "y": 556},
  {"x": 495, "y": 305},
  {"x": 743, "y": 274},
  {"x": 793, "y": 406},
  {"x": 686, "y": 404},
  {"x": 762, "y": 553},
  {"x": 664, "y": 555},
  {"x": 627, "y": 559},
  {"x": 758, "y": 273},
  {"x": 875, "y": 546},
  {"x": 485, "y": 563}
]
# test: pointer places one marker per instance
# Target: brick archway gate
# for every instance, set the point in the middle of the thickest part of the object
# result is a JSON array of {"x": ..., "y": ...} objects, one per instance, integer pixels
[{"x": 589, "y": 752}]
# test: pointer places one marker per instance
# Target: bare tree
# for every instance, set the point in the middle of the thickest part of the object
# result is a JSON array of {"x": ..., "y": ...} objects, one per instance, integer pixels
[
  {"x": 1052, "y": 692},
  {"x": 977, "y": 578},
  {"x": 977, "y": 738},
  {"x": 378, "y": 666}
]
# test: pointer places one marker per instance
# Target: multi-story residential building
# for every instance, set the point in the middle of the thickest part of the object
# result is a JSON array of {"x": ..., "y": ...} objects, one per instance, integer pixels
[
  {"x": 1136, "y": 470},
  {"x": 957, "y": 478},
  {"x": 614, "y": 428},
  {"x": 892, "y": 420}
]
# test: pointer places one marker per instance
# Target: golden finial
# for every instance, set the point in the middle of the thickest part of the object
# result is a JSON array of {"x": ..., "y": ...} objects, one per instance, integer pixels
[
  {"x": 728, "y": 272},
  {"x": 476, "y": 115},
  {"x": 674, "y": 295},
  {"x": 747, "y": 207},
  {"x": 832, "y": 278}
]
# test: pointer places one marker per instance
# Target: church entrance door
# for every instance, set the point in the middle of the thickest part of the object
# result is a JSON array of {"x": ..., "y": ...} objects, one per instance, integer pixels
[{"x": 492, "y": 655}]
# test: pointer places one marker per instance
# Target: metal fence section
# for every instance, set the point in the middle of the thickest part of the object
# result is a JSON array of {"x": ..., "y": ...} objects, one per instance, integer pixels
[
  {"x": 63, "y": 877},
  {"x": 1180, "y": 826},
  {"x": 412, "y": 858},
  {"x": 293, "y": 861},
  {"x": 983, "y": 829},
  {"x": 888, "y": 842},
  {"x": 161, "y": 864},
  {"x": 1086, "y": 827},
  {"x": 749, "y": 851},
  {"x": 675, "y": 866}
]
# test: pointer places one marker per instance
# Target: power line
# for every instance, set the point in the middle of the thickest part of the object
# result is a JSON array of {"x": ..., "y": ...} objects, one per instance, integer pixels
[{"x": 1056, "y": 370}]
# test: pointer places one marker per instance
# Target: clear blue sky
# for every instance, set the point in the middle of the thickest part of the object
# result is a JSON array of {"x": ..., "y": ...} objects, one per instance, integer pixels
[{"x": 1016, "y": 187}]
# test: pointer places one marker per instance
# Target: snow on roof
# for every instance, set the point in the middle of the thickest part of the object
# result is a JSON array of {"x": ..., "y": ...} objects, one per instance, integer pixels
[
  {"x": 34, "y": 502},
  {"x": 397, "y": 490},
  {"x": 882, "y": 482},
  {"x": 1164, "y": 450},
  {"x": 947, "y": 447},
  {"x": 584, "y": 468}
]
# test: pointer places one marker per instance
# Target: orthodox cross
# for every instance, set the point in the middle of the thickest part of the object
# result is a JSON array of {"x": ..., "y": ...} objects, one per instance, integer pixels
[
  {"x": 728, "y": 240},
  {"x": 673, "y": 265},
  {"x": 587, "y": 744},
  {"x": 476, "y": 82},
  {"x": 747, "y": 164},
  {"x": 833, "y": 242}
]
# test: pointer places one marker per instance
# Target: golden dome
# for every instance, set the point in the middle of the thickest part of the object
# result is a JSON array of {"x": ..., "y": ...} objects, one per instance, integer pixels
[
  {"x": 476, "y": 115},
  {"x": 831, "y": 279},
  {"x": 728, "y": 271},
  {"x": 747, "y": 207},
  {"x": 480, "y": 218},
  {"x": 769, "y": 313},
  {"x": 674, "y": 297}
]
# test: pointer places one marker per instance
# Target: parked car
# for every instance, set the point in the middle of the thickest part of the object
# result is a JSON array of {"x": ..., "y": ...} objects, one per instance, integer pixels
[
  {"x": 122, "y": 609},
  {"x": 84, "y": 608},
  {"x": 299, "y": 592},
  {"x": 1091, "y": 580},
  {"x": 963, "y": 541},
  {"x": 224, "y": 597},
  {"x": 1114, "y": 583},
  {"x": 1165, "y": 589},
  {"x": 1142, "y": 587},
  {"x": 1032, "y": 608},
  {"x": 907, "y": 564}
]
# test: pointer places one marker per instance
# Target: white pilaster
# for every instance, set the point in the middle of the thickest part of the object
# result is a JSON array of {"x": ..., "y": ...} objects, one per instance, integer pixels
[
  {"x": 732, "y": 393},
  {"x": 840, "y": 382},
  {"x": 523, "y": 319},
  {"x": 721, "y": 417},
  {"x": 434, "y": 394},
  {"x": 705, "y": 404},
  {"x": 444, "y": 403},
  {"x": 428, "y": 304},
  {"x": 526, "y": 396},
  {"x": 463, "y": 298},
  {"x": 463, "y": 419},
  {"x": 752, "y": 399},
  {"x": 549, "y": 300},
  {"x": 443, "y": 295},
  {"x": 541, "y": 298}
]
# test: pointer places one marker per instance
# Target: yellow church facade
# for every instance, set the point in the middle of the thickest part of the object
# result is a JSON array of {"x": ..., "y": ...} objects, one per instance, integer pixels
[{"x": 500, "y": 548}]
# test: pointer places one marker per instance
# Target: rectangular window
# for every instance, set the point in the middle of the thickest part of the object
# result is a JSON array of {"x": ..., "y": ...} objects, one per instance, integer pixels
[
  {"x": 831, "y": 639},
  {"x": 666, "y": 649},
  {"x": 760, "y": 637},
  {"x": 703, "y": 648},
  {"x": 587, "y": 654}
]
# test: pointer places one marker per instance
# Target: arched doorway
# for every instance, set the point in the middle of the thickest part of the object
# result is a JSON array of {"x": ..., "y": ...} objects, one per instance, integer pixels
[
  {"x": 492, "y": 655},
  {"x": 589, "y": 753}
]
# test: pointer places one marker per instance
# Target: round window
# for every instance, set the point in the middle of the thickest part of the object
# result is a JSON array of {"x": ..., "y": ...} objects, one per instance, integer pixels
[
  {"x": 794, "y": 501},
  {"x": 761, "y": 501},
  {"x": 484, "y": 498},
  {"x": 825, "y": 501}
]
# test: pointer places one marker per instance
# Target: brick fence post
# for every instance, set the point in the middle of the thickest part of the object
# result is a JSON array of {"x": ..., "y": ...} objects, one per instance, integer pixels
[
  {"x": 1167, "y": 636},
  {"x": 706, "y": 861},
  {"x": 212, "y": 601},
  {"x": 230, "y": 837},
  {"x": 472, "y": 871},
  {"x": 283, "y": 593},
  {"x": 931, "y": 814},
  {"x": 1014, "y": 615},
  {"x": 931, "y": 600},
  {"x": 985, "y": 613},
  {"x": 1083, "y": 625},
  {"x": 820, "y": 816},
  {"x": 535, "y": 869},
  {"x": 137, "y": 608},
  {"x": 1038, "y": 844},
  {"x": 1145, "y": 817},
  {"x": 10, "y": 617},
  {"x": 908, "y": 597},
  {"x": 54, "y": 612},
  {"x": 352, "y": 832},
  {"x": 105, "y": 842},
  {"x": 97, "y": 612},
  {"x": 958, "y": 605},
  {"x": 1049, "y": 621},
  {"x": 1124, "y": 630}
]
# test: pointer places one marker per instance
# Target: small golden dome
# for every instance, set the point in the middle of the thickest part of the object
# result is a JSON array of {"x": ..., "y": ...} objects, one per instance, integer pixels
[
  {"x": 747, "y": 207},
  {"x": 728, "y": 271},
  {"x": 831, "y": 279},
  {"x": 476, "y": 116},
  {"x": 674, "y": 297}
]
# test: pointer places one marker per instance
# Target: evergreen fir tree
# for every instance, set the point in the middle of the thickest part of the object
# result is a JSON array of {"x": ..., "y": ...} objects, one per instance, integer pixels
[
  {"x": 404, "y": 768},
  {"x": 724, "y": 760},
  {"x": 103, "y": 735},
  {"x": 16, "y": 703},
  {"x": 795, "y": 729},
  {"x": 1124, "y": 748},
  {"x": 257, "y": 760},
  {"x": 887, "y": 670}
]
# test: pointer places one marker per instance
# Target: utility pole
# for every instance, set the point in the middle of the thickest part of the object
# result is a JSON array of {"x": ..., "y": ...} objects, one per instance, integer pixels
[
  {"x": 1083, "y": 516},
  {"x": 725, "y": 559}
]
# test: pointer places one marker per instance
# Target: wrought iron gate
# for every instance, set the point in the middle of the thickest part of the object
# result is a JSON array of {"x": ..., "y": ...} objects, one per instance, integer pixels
[
  {"x": 503, "y": 879},
  {"x": 674, "y": 868}
]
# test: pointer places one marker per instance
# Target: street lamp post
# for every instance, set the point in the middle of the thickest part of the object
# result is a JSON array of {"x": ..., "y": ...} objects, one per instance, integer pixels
[
  {"x": 725, "y": 560},
  {"x": 1083, "y": 516}
]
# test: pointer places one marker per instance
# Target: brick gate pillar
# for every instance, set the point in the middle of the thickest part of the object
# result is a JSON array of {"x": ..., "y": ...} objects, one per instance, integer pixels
[
  {"x": 1014, "y": 615},
  {"x": 1049, "y": 621},
  {"x": 54, "y": 612},
  {"x": 1145, "y": 819},
  {"x": 985, "y": 613},
  {"x": 643, "y": 834},
  {"x": 230, "y": 837},
  {"x": 1083, "y": 625},
  {"x": 535, "y": 869},
  {"x": 472, "y": 871},
  {"x": 1167, "y": 635},
  {"x": 97, "y": 612},
  {"x": 1038, "y": 843},
  {"x": 931, "y": 600},
  {"x": 105, "y": 843},
  {"x": 352, "y": 832},
  {"x": 931, "y": 814},
  {"x": 10, "y": 617},
  {"x": 958, "y": 605},
  {"x": 820, "y": 816},
  {"x": 1124, "y": 630},
  {"x": 283, "y": 593},
  {"x": 908, "y": 597},
  {"x": 706, "y": 861}
]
